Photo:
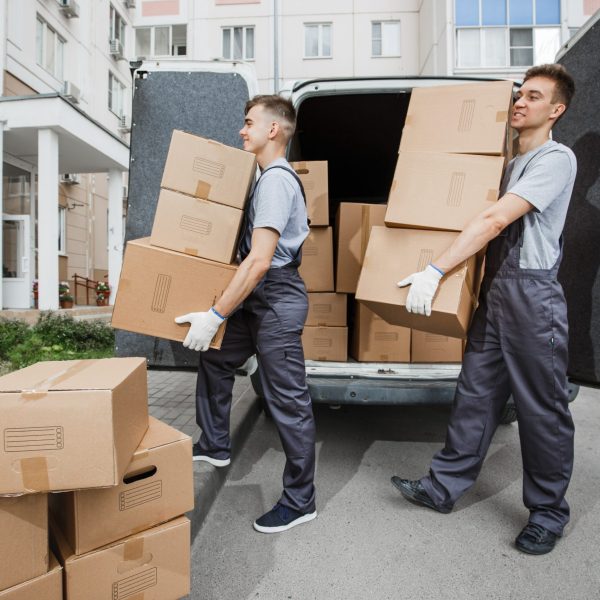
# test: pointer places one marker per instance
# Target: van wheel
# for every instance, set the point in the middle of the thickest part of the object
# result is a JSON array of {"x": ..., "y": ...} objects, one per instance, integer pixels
[
  {"x": 509, "y": 414},
  {"x": 258, "y": 390}
]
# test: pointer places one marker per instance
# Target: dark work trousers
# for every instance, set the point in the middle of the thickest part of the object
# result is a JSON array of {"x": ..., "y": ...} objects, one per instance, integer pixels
[
  {"x": 517, "y": 343},
  {"x": 270, "y": 324}
]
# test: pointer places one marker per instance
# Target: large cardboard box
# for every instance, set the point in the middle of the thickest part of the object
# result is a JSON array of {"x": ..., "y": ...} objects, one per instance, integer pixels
[
  {"x": 432, "y": 348},
  {"x": 433, "y": 190},
  {"x": 48, "y": 586},
  {"x": 208, "y": 169},
  {"x": 23, "y": 538},
  {"x": 325, "y": 343},
  {"x": 313, "y": 175},
  {"x": 317, "y": 260},
  {"x": 158, "y": 285},
  {"x": 392, "y": 255},
  {"x": 467, "y": 118},
  {"x": 353, "y": 228},
  {"x": 71, "y": 424},
  {"x": 153, "y": 565},
  {"x": 327, "y": 309},
  {"x": 374, "y": 340},
  {"x": 196, "y": 226},
  {"x": 158, "y": 486}
]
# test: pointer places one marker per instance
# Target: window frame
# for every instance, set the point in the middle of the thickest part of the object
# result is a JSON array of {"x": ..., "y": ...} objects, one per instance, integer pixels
[
  {"x": 58, "y": 69},
  {"x": 121, "y": 89},
  {"x": 320, "y": 25},
  {"x": 245, "y": 29},
  {"x": 62, "y": 230},
  {"x": 382, "y": 23},
  {"x": 115, "y": 19},
  {"x": 152, "y": 29}
]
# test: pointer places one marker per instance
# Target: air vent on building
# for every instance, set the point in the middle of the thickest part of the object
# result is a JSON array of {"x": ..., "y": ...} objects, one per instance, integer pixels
[
  {"x": 70, "y": 178},
  {"x": 116, "y": 49},
  {"x": 124, "y": 124},
  {"x": 130, "y": 3},
  {"x": 71, "y": 92},
  {"x": 69, "y": 8}
]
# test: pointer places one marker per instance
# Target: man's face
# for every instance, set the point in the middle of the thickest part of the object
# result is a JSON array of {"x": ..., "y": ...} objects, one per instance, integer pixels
[
  {"x": 256, "y": 129},
  {"x": 534, "y": 106}
]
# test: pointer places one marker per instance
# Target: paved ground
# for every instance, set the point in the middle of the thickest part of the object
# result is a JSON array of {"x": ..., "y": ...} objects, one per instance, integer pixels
[{"x": 367, "y": 542}]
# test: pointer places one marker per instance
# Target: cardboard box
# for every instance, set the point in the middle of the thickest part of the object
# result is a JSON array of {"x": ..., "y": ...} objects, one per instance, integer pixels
[
  {"x": 314, "y": 178},
  {"x": 392, "y": 255},
  {"x": 467, "y": 118},
  {"x": 327, "y": 309},
  {"x": 317, "y": 260},
  {"x": 158, "y": 285},
  {"x": 196, "y": 226},
  {"x": 71, "y": 424},
  {"x": 48, "y": 586},
  {"x": 153, "y": 565},
  {"x": 374, "y": 340},
  {"x": 432, "y": 348},
  {"x": 207, "y": 169},
  {"x": 353, "y": 228},
  {"x": 432, "y": 190},
  {"x": 158, "y": 486},
  {"x": 24, "y": 538},
  {"x": 325, "y": 343}
]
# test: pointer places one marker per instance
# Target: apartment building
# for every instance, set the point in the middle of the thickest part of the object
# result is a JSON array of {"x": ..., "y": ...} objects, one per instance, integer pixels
[{"x": 66, "y": 70}]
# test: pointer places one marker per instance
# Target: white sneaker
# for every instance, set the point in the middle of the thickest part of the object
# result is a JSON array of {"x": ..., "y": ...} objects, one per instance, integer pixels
[{"x": 215, "y": 462}]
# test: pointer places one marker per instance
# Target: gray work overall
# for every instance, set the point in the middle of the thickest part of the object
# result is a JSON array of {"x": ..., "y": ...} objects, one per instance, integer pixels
[
  {"x": 269, "y": 324},
  {"x": 517, "y": 343}
]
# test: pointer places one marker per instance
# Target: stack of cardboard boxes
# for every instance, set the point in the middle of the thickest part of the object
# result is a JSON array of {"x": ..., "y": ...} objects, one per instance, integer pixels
[
  {"x": 325, "y": 335},
  {"x": 81, "y": 428},
  {"x": 186, "y": 263},
  {"x": 452, "y": 154}
]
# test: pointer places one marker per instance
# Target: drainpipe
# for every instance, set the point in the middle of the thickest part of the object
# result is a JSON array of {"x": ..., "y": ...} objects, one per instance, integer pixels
[{"x": 275, "y": 48}]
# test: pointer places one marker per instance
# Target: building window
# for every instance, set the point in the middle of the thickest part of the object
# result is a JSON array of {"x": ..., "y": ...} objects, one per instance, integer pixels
[
  {"x": 506, "y": 33},
  {"x": 163, "y": 40},
  {"x": 317, "y": 40},
  {"x": 385, "y": 38},
  {"x": 117, "y": 26},
  {"x": 238, "y": 43},
  {"x": 116, "y": 94},
  {"x": 62, "y": 230},
  {"x": 49, "y": 48}
]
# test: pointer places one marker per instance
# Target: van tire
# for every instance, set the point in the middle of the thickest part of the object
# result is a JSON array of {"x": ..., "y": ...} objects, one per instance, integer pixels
[{"x": 509, "y": 414}]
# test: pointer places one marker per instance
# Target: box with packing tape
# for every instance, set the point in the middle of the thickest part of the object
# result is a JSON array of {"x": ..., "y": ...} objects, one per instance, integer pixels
[
  {"x": 327, "y": 309},
  {"x": 208, "y": 169},
  {"x": 153, "y": 564},
  {"x": 432, "y": 348},
  {"x": 158, "y": 486},
  {"x": 23, "y": 538},
  {"x": 467, "y": 118},
  {"x": 353, "y": 228},
  {"x": 432, "y": 190},
  {"x": 317, "y": 260},
  {"x": 392, "y": 255},
  {"x": 71, "y": 424},
  {"x": 313, "y": 175},
  {"x": 197, "y": 227},
  {"x": 374, "y": 340},
  {"x": 48, "y": 586},
  {"x": 157, "y": 285},
  {"x": 325, "y": 343}
]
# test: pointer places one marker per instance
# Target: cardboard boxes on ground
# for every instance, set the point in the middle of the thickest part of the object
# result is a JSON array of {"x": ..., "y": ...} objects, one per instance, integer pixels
[{"x": 48, "y": 586}]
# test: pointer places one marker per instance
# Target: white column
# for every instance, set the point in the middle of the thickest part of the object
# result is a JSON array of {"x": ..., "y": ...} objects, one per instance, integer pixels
[
  {"x": 115, "y": 230},
  {"x": 2, "y": 124},
  {"x": 47, "y": 219}
]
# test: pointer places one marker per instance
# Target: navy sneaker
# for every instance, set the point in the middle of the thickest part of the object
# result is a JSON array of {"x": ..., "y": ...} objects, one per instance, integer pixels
[
  {"x": 200, "y": 455},
  {"x": 282, "y": 518},
  {"x": 535, "y": 539},
  {"x": 415, "y": 493}
]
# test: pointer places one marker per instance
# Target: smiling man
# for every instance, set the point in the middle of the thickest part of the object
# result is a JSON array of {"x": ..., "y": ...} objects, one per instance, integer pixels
[
  {"x": 266, "y": 305},
  {"x": 517, "y": 342}
]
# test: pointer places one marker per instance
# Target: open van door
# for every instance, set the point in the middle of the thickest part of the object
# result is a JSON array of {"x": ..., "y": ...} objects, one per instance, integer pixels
[
  {"x": 580, "y": 269},
  {"x": 206, "y": 99}
]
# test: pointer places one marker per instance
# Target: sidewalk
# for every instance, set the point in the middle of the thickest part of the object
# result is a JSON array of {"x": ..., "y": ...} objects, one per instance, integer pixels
[{"x": 171, "y": 398}]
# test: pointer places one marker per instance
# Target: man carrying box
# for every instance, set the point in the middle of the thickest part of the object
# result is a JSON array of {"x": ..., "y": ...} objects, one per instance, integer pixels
[
  {"x": 517, "y": 342},
  {"x": 266, "y": 303}
]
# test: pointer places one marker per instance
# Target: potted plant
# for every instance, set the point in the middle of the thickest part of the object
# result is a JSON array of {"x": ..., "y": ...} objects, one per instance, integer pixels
[
  {"x": 102, "y": 293},
  {"x": 64, "y": 295}
]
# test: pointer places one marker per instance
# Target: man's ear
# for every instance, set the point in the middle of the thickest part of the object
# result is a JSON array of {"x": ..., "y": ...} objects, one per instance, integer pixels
[
  {"x": 274, "y": 130},
  {"x": 559, "y": 109}
]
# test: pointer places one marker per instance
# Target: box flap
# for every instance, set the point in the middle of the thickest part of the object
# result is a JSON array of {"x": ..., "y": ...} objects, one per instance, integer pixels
[
  {"x": 159, "y": 434},
  {"x": 98, "y": 374}
]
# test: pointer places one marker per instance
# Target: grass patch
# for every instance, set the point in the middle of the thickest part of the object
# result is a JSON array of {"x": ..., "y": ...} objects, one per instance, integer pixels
[{"x": 53, "y": 337}]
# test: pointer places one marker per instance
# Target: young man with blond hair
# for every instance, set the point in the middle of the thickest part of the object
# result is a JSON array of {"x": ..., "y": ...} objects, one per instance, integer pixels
[
  {"x": 266, "y": 306},
  {"x": 517, "y": 342}
]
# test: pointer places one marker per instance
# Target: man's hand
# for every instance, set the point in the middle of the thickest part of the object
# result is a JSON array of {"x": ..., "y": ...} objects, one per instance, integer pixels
[
  {"x": 203, "y": 326},
  {"x": 424, "y": 285}
]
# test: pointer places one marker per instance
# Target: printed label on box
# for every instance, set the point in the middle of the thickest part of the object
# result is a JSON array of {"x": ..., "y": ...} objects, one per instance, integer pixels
[{"x": 30, "y": 439}]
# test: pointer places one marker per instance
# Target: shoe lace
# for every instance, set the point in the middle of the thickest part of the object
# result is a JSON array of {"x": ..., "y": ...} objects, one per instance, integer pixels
[{"x": 535, "y": 531}]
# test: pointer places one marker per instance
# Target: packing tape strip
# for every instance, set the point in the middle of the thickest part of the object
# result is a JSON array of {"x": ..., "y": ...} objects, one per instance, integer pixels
[
  {"x": 492, "y": 195},
  {"x": 501, "y": 116},
  {"x": 203, "y": 189},
  {"x": 191, "y": 251},
  {"x": 140, "y": 454},
  {"x": 34, "y": 473},
  {"x": 41, "y": 388},
  {"x": 408, "y": 121},
  {"x": 133, "y": 549}
]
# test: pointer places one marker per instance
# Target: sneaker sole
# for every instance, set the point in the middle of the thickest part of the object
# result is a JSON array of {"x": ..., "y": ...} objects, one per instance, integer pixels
[
  {"x": 215, "y": 462},
  {"x": 532, "y": 552},
  {"x": 411, "y": 498},
  {"x": 303, "y": 519}
]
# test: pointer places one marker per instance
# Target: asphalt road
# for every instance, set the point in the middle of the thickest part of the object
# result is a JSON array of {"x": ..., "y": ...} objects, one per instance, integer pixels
[{"x": 369, "y": 543}]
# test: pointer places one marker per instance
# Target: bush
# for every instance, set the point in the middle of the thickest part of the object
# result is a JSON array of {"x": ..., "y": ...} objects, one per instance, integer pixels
[
  {"x": 79, "y": 336},
  {"x": 12, "y": 333}
]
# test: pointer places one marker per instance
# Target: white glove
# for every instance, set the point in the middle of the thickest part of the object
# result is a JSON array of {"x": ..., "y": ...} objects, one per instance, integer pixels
[
  {"x": 424, "y": 285},
  {"x": 203, "y": 326}
]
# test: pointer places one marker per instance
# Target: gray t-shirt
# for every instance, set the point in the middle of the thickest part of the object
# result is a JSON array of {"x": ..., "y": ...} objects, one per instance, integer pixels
[
  {"x": 277, "y": 203},
  {"x": 547, "y": 183}
]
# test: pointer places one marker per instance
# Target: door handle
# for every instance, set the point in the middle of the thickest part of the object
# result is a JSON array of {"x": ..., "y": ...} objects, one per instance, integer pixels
[{"x": 25, "y": 264}]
